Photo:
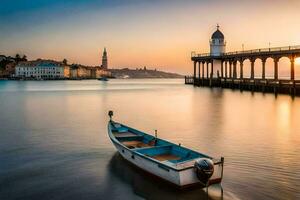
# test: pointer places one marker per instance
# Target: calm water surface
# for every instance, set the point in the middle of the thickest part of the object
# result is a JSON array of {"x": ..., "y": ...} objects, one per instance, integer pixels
[{"x": 54, "y": 143}]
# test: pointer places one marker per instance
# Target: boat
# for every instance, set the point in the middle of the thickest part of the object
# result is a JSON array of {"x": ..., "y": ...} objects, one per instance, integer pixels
[
  {"x": 103, "y": 79},
  {"x": 173, "y": 163}
]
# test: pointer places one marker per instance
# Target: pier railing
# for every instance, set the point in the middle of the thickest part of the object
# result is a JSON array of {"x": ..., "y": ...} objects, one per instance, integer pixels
[{"x": 262, "y": 50}]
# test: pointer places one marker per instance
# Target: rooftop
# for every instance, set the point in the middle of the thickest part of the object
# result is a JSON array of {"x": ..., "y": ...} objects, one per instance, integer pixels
[
  {"x": 217, "y": 34},
  {"x": 40, "y": 63}
]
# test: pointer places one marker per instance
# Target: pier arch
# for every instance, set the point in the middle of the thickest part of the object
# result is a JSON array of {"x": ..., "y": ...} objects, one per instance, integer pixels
[
  {"x": 258, "y": 68},
  {"x": 247, "y": 68},
  {"x": 269, "y": 68},
  {"x": 284, "y": 65},
  {"x": 238, "y": 68},
  {"x": 297, "y": 68}
]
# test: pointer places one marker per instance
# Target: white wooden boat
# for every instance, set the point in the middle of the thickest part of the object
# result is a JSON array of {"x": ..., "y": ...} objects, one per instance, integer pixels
[{"x": 173, "y": 163}]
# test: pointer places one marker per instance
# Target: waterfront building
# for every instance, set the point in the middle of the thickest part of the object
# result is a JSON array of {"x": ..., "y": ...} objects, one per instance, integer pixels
[
  {"x": 87, "y": 72},
  {"x": 104, "y": 60},
  {"x": 41, "y": 69},
  {"x": 10, "y": 68},
  {"x": 80, "y": 72},
  {"x": 49, "y": 69}
]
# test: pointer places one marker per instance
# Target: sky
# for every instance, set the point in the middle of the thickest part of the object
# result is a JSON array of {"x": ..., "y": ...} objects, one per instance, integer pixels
[{"x": 154, "y": 33}]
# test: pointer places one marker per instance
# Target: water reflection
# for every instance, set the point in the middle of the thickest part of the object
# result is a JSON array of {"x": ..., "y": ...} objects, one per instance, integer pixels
[{"x": 152, "y": 188}]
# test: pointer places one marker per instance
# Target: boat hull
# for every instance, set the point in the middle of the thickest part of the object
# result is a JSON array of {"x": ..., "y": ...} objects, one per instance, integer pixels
[{"x": 180, "y": 179}]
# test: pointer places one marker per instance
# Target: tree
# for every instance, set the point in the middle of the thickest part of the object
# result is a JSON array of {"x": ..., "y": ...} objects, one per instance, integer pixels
[
  {"x": 18, "y": 58},
  {"x": 3, "y": 63},
  {"x": 24, "y": 58},
  {"x": 65, "y": 61}
]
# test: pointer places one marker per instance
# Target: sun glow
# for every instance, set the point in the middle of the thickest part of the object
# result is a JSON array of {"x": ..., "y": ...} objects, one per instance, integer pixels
[{"x": 297, "y": 61}]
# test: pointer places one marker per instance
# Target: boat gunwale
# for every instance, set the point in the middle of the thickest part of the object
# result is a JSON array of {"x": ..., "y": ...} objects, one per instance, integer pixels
[{"x": 114, "y": 139}]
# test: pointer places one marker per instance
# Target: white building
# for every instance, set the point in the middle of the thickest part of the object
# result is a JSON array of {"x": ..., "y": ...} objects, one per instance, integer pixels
[{"x": 40, "y": 69}]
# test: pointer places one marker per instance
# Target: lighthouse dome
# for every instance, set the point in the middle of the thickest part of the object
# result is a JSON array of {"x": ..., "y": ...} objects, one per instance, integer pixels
[{"x": 217, "y": 35}]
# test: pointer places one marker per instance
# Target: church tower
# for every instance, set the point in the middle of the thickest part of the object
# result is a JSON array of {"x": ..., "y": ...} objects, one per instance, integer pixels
[{"x": 104, "y": 59}]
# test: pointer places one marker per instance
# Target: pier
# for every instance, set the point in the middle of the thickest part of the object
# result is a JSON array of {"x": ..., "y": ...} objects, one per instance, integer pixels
[{"x": 220, "y": 69}]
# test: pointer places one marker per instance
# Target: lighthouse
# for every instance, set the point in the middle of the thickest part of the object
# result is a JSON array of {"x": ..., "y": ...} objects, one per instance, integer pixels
[
  {"x": 217, "y": 50},
  {"x": 217, "y": 43}
]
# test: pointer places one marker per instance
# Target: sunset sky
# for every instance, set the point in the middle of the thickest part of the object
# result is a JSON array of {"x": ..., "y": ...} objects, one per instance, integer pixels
[{"x": 155, "y": 33}]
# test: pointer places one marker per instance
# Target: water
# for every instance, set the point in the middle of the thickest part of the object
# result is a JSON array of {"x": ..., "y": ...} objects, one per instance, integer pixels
[{"x": 54, "y": 143}]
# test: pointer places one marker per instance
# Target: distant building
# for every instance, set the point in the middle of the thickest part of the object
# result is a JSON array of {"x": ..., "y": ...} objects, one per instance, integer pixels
[
  {"x": 104, "y": 60},
  {"x": 10, "y": 68},
  {"x": 42, "y": 69},
  {"x": 49, "y": 69},
  {"x": 86, "y": 72}
]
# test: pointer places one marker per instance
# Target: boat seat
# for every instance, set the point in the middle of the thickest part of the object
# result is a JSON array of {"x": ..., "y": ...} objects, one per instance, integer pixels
[
  {"x": 119, "y": 128},
  {"x": 135, "y": 144},
  {"x": 188, "y": 156},
  {"x": 164, "y": 157},
  {"x": 124, "y": 134}
]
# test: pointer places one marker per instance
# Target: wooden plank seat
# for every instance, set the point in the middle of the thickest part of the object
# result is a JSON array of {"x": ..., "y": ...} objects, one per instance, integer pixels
[
  {"x": 124, "y": 134},
  {"x": 167, "y": 156},
  {"x": 136, "y": 144}
]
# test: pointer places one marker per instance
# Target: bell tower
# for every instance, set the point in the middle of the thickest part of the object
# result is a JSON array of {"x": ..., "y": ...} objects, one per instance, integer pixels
[{"x": 104, "y": 59}]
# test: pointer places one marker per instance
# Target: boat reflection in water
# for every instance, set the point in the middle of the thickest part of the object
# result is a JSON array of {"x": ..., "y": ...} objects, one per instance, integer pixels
[{"x": 149, "y": 187}]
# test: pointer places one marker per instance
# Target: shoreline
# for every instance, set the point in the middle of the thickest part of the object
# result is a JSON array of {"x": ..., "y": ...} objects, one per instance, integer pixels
[{"x": 78, "y": 79}]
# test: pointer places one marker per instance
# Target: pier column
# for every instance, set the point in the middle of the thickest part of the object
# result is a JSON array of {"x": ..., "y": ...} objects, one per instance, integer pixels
[
  {"x": 230, "y": 69},
  {"x": 276, "y": 68},
  {"x": 207, "y": 75},
  {"x": 195, "y": 63},
  {"x": 203, "y": 69},
  {"x": 252, "y": 68},
  {"x": 263, "y": 68},
  {"x": 199, "y": 66},
  {"x": 292, "y": 59},
  {"x": 212, "y": 69},
  {"x": 222, "y": 70},
  {"x": 234, "y": 69},
  {"x": 225, "y": 69},
  {"x": 241, "y": 69}
]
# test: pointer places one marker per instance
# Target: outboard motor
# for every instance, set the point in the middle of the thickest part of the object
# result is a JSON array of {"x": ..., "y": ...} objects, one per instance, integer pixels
[{"x": 204, "y": 168}]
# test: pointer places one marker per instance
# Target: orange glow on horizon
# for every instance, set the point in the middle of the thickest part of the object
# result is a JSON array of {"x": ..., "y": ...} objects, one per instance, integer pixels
[
  {"x": 159, "y": 35},
  {"x": 297, "y": 61}
]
